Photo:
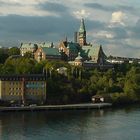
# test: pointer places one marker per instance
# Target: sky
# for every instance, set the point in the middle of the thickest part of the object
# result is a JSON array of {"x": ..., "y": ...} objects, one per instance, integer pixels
[{"x": 114, "y": 24}]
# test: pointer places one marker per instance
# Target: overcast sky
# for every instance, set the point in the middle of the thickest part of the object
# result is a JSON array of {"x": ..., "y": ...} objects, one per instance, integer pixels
[{"x": 113, "y": 23}]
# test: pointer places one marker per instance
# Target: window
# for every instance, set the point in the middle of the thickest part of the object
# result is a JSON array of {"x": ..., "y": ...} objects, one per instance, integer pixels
[{"x": 11, "y": 93}]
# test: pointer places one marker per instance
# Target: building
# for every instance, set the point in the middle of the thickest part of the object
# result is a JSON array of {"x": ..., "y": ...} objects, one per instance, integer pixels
[
  {"x": 81, "y": 36},
  {"x": 97, "y": 99},
  {"x": 47, "y": 51},
  {"x": 28, "y": 47},
  {"x": 81, "y": 53},
  {"x": 23, "y": 89},
  {"x": 92, "y": 56},
  {"x": 78, "y": 61},
  {"x": 68, "y": 50},
  {"x": 96, "y": 62},
  {"x": 93, "y": 53},
  {"x": 121, "y": 60}
]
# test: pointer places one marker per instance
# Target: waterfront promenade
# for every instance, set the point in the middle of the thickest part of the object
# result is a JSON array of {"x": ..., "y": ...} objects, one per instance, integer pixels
[{"x": 58, "y": 107}]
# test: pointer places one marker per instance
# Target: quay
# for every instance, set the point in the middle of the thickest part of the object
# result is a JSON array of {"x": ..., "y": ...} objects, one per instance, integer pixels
[{"x": 58, "y": 107}]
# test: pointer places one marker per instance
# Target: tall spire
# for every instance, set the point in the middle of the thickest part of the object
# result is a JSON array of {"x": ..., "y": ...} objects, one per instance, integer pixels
[
  {"x": 82, "y": 26},
  {"x": 82, "y": 33}
]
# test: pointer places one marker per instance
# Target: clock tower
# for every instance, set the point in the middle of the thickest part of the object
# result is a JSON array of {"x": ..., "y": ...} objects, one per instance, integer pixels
[{"x": 82, "y": 34}]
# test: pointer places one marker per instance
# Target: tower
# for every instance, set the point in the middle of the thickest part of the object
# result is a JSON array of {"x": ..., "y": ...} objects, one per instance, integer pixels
[{"x": 82, "y": 34}]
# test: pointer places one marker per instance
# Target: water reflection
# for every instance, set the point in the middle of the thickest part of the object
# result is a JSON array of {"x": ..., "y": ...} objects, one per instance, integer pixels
[{"x": 76, "y": 125}]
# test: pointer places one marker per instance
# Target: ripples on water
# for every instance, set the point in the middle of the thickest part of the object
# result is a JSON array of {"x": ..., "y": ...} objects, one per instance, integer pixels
[{"x": 115, "y": 124}]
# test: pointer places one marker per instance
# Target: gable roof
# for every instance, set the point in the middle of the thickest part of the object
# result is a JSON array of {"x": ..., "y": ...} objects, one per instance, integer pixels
[
  {"x": 28, "y": 45},
  {"x": 90, "y": 51},
  {"x": 73, "y": 46},
  {"x": 45, "y": 44},
  {"x": 50, "y": 51}
]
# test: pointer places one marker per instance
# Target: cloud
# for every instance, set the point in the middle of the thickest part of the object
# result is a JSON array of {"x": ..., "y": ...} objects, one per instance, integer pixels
[
  {"x": 99, "y": 6},
  {"x": 23, "y": 8},
  {"x": 110, "y": 8},
  {"x": 120, "y": 33},
  {"x": 105, "y": 34},
  {"x": 116, "y": 50},
  {"x": 135, "y": 30},
  {"x": 113, "y": 24},
  {"x": 19, "y": 2},
  {"x": 81, "y": 14},
  {"x": 126, "y": 8},
  {"x": 16, "y": 27},
  {"x": 53, "y": 7},
  {"x": 118, "y": 18}
]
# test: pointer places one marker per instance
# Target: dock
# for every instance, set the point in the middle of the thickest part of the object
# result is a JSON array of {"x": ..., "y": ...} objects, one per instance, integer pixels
[{"x": 58, "y": 107}]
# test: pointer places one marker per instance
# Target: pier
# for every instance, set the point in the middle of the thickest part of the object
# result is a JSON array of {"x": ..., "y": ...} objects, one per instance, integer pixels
[{"x": 58, "y": 107}]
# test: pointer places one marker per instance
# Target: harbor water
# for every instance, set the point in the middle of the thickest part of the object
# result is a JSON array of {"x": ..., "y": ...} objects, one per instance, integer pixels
[{"x": 103, "y": 124}]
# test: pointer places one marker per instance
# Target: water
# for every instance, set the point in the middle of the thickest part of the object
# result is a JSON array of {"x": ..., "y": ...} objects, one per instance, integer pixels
[{"x": 109, "y": 124}]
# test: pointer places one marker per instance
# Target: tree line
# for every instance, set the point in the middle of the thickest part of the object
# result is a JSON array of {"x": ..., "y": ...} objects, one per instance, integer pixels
[{"x": 118, "y": 85}]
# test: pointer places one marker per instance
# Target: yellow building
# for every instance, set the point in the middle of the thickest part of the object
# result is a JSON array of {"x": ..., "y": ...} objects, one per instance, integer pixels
[
  {"x": 78, "y": 61},
  {"x": 23, "y": 89},
  {"x": 28, "y": 47}
]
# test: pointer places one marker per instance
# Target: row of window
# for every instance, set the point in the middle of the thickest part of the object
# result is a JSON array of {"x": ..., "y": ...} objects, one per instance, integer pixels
[
  {"x": 19, "y": 93},
  {"x": 14, "y": 93},
  {"x": 18, "y": 80},
  {"x": 33, "y": 93},
  {"x": 15, "y": 88},
  {"x": 27, "y": 49},
  {"x": 15, "y": 83},
  {"x": 35, "y": 83},
  {"x": 32, "y": 87}
]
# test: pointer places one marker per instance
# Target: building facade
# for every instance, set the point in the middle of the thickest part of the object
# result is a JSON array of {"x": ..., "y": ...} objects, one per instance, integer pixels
[
  {"x": 47, "y": 52},
  {"x": 91, "y": 55},
  {"x": 68, "y": 50},
  {"x": 23, "y": 89},
  {"x": 28, "y": 47}
]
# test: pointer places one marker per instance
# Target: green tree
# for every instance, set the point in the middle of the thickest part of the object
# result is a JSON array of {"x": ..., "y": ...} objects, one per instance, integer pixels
[
  {"x": 14, "y": 51},
  {"x": 132, "y": 83},
  {"x": 3, "y": 55},
  {"x": 28, "y": 55}
]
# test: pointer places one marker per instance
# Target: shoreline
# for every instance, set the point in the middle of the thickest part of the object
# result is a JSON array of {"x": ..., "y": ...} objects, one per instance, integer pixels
[{"x": 58, "y": 107}]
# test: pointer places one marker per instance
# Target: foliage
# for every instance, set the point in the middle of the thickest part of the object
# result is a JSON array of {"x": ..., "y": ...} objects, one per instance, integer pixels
[
  {"x": 28, "y": 55},
  {"x": 14, "y": 51},
  {"x": 3, "y": 55},
  {"x": 121, "y": 84}
]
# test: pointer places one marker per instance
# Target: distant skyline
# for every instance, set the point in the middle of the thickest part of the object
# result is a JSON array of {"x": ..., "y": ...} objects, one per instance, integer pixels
[{"x": 115, "y": 24}]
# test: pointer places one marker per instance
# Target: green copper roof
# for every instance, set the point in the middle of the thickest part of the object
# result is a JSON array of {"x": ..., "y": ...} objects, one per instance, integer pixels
[
  {"x": 73, "y": 46},
  {"x": 90, "y": 51},
  {"x": 51, "y": 51},
  {"x": 82, "y": 26}
]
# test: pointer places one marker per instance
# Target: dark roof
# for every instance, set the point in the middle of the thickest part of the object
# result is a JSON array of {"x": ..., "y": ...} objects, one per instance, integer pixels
[
  {"x": 97, "y": 96},
  {"x": 51, "y": 51},
  {"x": 73, "y": 46},
  {"x": 28, "y": 77}
]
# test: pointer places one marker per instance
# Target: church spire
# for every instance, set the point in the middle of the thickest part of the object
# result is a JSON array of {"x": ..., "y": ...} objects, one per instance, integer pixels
[
  {"x": 82, "y": 33},
  {"x": 82, "y": 26}
]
